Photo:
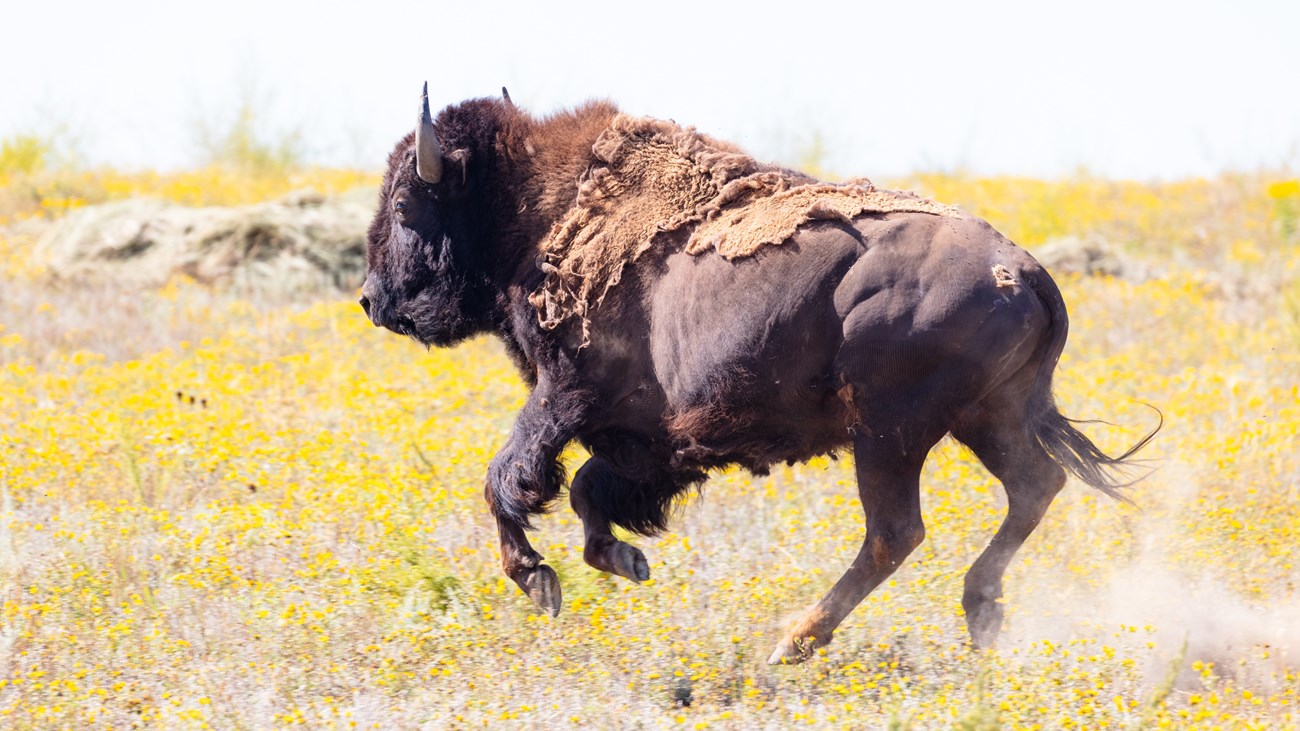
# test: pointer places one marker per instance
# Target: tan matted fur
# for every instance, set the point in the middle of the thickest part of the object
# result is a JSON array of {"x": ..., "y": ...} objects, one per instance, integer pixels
[{"x": 652, "y": 177}]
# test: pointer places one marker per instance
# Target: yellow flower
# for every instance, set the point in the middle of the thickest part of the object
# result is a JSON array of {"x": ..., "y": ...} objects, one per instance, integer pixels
[{"x": 1284, "y": 189}]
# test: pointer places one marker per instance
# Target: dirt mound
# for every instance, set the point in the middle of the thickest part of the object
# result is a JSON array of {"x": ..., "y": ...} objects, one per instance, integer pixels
[
  {"x": 302, "y": 241},
  {"x": 1090, "y": 256}
]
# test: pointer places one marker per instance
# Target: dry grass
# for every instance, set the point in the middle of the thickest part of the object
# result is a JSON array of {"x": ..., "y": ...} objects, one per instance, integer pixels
[{"x": 257, "y": 514}]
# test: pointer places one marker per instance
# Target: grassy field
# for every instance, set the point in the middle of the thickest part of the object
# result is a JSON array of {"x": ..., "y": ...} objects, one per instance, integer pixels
[{"x": 258, "y": 513}]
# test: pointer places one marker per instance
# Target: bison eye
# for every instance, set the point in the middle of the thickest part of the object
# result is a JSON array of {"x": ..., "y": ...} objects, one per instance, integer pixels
[{"x": 400, "y": 206}]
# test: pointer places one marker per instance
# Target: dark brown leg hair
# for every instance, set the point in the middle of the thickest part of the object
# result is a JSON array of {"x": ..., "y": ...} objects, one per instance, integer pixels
[{"x": 602, "y": 550}]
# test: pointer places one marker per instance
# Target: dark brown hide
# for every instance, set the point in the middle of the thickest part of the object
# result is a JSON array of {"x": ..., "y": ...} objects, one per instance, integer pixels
[{"x": 879, "y": 332}]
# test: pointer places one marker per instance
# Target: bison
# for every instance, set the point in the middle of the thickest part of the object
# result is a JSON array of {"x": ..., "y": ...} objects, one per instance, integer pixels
[{"x": 676, "y": 306}]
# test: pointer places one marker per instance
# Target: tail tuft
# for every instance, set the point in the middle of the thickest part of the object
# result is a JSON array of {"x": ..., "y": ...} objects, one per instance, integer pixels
[{"x": 1074, "y": 451}]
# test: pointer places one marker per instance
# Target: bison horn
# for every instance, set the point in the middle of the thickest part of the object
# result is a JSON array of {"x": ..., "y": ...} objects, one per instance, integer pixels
[
  {"x": 428, "y": 153},
  {"x": 506, "y": 95}
]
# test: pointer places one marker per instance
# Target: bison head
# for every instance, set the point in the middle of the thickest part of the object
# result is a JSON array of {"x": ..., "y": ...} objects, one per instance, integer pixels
[{"x": 423, "y": 277}]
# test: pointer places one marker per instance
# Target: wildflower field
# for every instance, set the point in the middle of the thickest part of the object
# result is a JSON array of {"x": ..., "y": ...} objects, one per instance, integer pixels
[{"x": 252, "y": 511}]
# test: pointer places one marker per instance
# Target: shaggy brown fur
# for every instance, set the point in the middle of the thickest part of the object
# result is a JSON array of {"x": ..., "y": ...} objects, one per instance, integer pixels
[
  {"x": 651, "y": 177},
  {"x": 764, "y": 211}
]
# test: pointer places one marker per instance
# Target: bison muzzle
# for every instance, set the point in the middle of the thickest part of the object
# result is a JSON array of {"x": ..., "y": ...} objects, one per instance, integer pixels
[{"x": 676, "y": 306}]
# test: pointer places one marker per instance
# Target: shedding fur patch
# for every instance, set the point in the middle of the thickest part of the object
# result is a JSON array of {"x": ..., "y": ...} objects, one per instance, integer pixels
[
  {"x": 1003, "y": 276},
  {"x": 652, "y": 177}
]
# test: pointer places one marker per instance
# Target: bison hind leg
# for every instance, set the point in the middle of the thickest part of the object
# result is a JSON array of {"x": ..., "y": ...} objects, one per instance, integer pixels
[
  {"x": 888, "y": 458},
  {"x": 1000, "y": 437}
]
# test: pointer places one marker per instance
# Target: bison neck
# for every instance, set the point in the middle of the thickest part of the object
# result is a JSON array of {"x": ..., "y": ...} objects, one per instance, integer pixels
[{"x": 538, "y": 165}]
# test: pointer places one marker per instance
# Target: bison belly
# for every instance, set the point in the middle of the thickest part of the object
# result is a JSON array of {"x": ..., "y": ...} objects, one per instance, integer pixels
[{"x": 744, "y": 349}]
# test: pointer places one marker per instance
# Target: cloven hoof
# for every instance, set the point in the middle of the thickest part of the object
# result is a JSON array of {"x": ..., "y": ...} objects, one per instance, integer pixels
[
  {"x": 543, "y": 586},
  {"x": 792, "y": 651},
  {"x": 630, "y": 563}
]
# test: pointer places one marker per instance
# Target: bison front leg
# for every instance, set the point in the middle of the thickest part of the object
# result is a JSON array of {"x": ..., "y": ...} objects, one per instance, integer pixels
[
  {"x": 596, "y": 479},
  {"x": 523, "y": 478},
  {"x": 524, "y": 566}
]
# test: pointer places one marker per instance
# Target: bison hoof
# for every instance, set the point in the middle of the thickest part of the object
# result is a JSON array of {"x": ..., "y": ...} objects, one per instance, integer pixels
[
  {"x": 793, "y": 651},
  {"x": 984, "y": 623},
  {"x": 630, "y": 563},
  {"x": 543, "y": 587},
  {"x": 617, "y": 558}
]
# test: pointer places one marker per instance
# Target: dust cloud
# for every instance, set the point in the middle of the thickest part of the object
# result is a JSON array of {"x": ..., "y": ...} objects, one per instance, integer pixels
[{"x": 1154, "y": 606}]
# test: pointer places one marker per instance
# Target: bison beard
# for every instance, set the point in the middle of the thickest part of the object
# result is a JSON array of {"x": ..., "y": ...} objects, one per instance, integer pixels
[{"x": 676, "y": 306}]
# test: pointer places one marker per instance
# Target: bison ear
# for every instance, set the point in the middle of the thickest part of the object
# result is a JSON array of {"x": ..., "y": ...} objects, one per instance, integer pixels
[
  {"x": 455, "y": 175},
  {"x": 457, "y": 161}
]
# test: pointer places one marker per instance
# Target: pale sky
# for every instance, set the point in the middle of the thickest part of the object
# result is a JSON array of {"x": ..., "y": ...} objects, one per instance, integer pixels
[{"x": 1124, "y": 89}]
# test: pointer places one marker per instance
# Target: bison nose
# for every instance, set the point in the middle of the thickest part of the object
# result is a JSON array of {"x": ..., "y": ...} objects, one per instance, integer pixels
[{"x": 365, "y": 305}]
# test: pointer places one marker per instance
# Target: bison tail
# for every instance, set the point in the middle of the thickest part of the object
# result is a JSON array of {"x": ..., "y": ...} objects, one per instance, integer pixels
[
  {"x": 1057, "y": 434},
  {"x": 1073, "y": 450}
]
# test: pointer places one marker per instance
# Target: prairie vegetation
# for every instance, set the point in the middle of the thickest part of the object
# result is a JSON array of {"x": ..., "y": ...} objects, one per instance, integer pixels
[{"x": 223, "y": 511}]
